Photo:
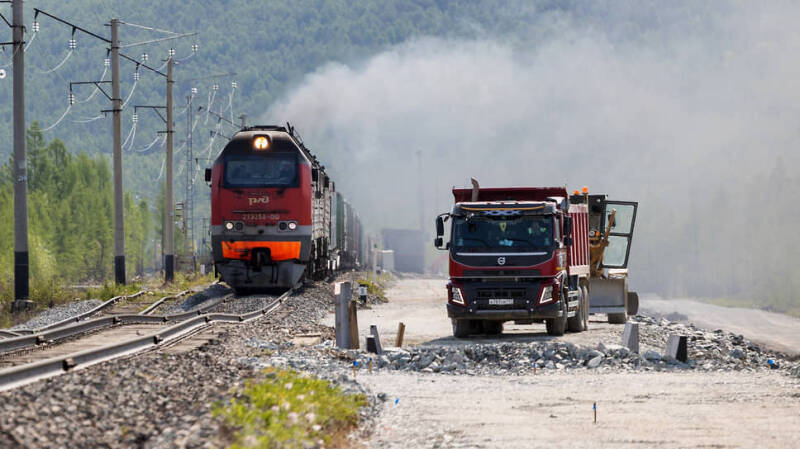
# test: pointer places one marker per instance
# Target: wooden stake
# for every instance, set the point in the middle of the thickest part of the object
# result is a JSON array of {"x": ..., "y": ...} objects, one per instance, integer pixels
[
  {"x": 353, "y": 313},
  {"x": 401, "y": 330},
  {"x": 355, "y": 367},
  {"x": 595, "y": 412},
  {"x": 370, "y": 365}
]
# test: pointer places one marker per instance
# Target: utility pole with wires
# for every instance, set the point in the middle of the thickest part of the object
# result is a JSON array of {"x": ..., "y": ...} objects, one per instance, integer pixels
[
  {"x": 116, "y": 110},
  {"x": 190, "y": 253},
  {"x": 169, "y": 207},
  {"x": 19, "y": 170}
]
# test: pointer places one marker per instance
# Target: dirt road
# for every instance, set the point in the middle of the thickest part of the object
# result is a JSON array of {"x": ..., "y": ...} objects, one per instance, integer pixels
[
  {"x": 773, "y": 330},
  {"x": 554, "y": 408}
]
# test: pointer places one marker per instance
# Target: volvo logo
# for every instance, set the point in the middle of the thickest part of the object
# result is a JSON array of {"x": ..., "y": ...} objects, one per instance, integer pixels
[{"x": 501, "y": 261}]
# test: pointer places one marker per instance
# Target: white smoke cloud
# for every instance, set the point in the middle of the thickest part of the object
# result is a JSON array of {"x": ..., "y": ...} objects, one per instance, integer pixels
[{"x": 670, "y": 115}]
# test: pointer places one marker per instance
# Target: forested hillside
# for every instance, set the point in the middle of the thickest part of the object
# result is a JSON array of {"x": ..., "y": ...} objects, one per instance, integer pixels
[{"x": 686, "y": 107}]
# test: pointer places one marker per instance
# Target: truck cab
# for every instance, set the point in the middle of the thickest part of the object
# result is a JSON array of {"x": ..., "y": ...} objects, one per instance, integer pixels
[{"x": 513, "y": 257}]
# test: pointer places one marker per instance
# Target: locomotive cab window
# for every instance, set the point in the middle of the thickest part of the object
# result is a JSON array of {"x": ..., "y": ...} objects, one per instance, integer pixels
[{"x": 263, "y": 170}]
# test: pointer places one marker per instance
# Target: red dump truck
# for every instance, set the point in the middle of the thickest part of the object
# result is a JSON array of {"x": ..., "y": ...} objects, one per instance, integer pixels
[{"x": 516, "y": 254}]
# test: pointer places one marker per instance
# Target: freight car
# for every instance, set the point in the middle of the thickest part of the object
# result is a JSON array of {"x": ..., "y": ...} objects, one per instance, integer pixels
[{"x": 275, "y": 215}]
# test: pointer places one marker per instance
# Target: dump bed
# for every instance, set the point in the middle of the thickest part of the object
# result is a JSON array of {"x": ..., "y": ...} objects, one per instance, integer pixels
[
  {"x": 511, "y": 194},
  {"x": 579, "y": 251}
]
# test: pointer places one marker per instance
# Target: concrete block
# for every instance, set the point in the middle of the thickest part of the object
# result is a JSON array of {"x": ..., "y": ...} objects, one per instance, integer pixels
[
  {"x": 630, "y": 337},
  {"x": 677, "y": 348},
  {"x": 371, "y": 345},
  {"x": 342, "y": 292},
  {"x": 373, "y": 330}
]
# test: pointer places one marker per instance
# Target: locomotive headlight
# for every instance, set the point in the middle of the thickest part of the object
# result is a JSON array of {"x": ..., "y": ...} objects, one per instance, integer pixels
[
  {"x": 261, "y": 143},
  {"x": 292, "y": 226},
  {"x": 229, "y": 225}
]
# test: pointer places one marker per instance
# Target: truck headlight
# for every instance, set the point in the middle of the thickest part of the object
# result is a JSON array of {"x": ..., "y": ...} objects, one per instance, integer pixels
[
  {"x": 229, "y": 225},
  {"x": 455, "y": 296},
  {"x": 547, "y": 295}
]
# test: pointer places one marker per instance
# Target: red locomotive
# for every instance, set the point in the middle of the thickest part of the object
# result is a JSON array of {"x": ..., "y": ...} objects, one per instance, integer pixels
[{"x": 273, "y": 210}]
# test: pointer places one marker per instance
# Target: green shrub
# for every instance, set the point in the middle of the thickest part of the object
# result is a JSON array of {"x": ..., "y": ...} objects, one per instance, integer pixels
[{"x": 287, "y": 409}]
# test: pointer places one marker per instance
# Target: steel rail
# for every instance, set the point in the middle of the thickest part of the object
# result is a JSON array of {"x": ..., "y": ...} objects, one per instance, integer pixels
[
  {"x": 24, "y": 374},
  {"x": 53, "y": 334},
  {"x": 81, "y": 317},
  {"x": 154, "y": 305}
]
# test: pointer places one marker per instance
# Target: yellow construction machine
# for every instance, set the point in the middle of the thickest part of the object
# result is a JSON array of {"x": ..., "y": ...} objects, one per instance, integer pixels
[{"x": 610, "y": 232}]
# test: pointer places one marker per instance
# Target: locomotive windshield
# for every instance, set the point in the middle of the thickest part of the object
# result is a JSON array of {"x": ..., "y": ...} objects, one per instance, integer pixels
[
  {"x": 503, "y": 232},
  {"x": 263, "y": 170}
]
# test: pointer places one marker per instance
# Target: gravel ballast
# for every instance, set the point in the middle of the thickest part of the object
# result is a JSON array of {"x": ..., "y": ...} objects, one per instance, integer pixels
[{"x": 58, "y": 313}]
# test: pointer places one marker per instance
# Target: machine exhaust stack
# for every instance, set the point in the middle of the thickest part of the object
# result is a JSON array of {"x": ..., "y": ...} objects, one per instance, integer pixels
[{"x": 475, "y": 189}]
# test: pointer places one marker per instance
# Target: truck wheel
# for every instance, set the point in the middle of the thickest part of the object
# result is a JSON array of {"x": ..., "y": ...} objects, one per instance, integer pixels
[
  {"x": 633, "y": 303},
  {"x": 557, "y": 326},
  {"x": 492, "y": 327},
  {"x": 461, "y": 328},
  {"x": 576, "y": 323},
  {"x": 617, "y": 318}
]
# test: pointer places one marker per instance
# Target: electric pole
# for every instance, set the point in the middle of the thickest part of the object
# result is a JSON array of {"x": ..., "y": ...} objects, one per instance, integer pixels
[
  {"x": 188, "y": 202},
  {"x": 116, "y": 109},
  {"x": 169, "y": 206},
  {"x": 21, "y": 267}
]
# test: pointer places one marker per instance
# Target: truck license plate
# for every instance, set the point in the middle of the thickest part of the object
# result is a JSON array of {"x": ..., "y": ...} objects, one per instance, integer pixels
[{"x": 500, "y": 301}]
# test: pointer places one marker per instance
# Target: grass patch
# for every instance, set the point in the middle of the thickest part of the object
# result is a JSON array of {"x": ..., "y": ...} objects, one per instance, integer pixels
[
  {"x": 46, "y": 294},
  {"x": 287, "y": 409}
]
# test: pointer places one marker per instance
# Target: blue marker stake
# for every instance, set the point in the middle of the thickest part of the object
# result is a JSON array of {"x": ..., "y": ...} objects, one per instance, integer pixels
[
  {"x": 355, "y": 366},
  {"x": 396, "y": 401},
  {"x": 594, "y": 407}
]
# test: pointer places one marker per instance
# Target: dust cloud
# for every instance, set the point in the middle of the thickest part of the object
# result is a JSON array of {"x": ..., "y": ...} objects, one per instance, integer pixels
[{"x": 692, "y": 110}]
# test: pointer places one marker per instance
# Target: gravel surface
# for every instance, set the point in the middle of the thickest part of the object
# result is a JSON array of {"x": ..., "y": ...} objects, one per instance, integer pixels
[
  {"x": 196, "y": 300},
  {"x": 58, "y": 313},
  {"x": 156, "y": 400}
]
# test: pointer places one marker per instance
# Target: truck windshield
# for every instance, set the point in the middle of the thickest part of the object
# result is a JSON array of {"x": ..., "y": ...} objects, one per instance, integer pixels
[
  {"x": 503, "y": 232},
  {"x": 264, "y": 170}
]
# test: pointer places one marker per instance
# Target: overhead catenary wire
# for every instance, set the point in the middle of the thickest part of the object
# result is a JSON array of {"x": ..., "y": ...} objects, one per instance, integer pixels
[
  {"x": 59, "y": 120},
  {"x": 150, "y": 145},
  {"x": 130, "y": 94},
  {"x": 24, "y": 50},
  {"x": 96, "y": 88},
  {"x": 59, "y": 65},
  {"x": 144, "y": 27},
  {"x": 131, "y": 136},
  {"x": 88, "y": 120}
]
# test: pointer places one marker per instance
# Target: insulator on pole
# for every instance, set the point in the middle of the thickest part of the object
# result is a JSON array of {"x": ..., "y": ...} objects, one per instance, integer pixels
[
  {"x": 215, "y": 86},
  {"x": 73, "y": 44},
  {"x": 136, "y": 75},
  {"x": 233, "y": 85},
  {"x": 135, "y": 117},
  {"x": 194, "y": 91},
  {"x": 107, "y": 62},
  {"x": 35, "y": 26},
  {"x": 194, "y": 48},
  {"x": 71, "y": 98},
  {"x": 171, "y": 52},
  {"x": 144, "y": 57}
]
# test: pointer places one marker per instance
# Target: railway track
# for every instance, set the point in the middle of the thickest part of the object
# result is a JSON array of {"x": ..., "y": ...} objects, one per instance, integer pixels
[{"x": 27, "y": 358}]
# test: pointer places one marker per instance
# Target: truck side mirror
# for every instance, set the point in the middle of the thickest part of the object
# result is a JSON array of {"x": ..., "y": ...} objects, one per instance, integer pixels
[
  {"x": 567, "y": 227},
  {"x": 208, "y": 175},
  {"x": 438, "y": 242},
  {"x": 439, "y": 228}
]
